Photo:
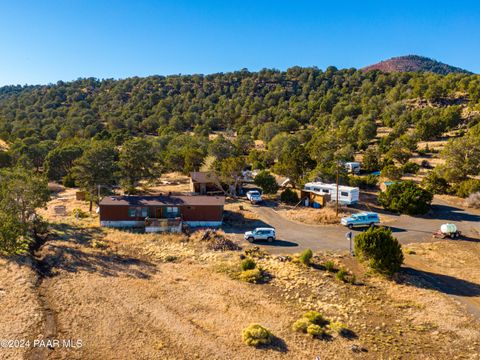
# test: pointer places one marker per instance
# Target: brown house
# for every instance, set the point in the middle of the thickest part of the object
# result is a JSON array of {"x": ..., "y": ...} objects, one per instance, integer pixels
[
  {"x": 204, "y": 183},
  {"x": 161, "y": 213}
]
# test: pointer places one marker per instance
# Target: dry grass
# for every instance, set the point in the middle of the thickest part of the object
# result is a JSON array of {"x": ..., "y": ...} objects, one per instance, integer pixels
[
  {"x": 170, "y": 182},
  {"x": 308, "y": 215},
  {"x": 21, "y": 317},
  {"x": 167, "y": 296},
  {"x": 383, "y": 131},
  {"x": 3, "y": 145},
  {"x": 460, "y": 259}
]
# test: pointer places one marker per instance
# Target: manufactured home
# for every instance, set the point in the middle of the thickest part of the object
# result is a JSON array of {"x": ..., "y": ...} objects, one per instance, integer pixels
[
  {"x": 161, "y": 213},
  {"x": 346, "y": 195}
]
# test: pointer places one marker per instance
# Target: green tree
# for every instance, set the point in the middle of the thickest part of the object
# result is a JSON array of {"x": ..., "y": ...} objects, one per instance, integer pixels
[
  {"x": 380, "y": 250},
  {"x": 295, "y": 165},
  {"x": 59, "y": 161},
  {"x": 137, "y": 161},
  {"x": 406, "y": 197},
  {"x": 392, "y": 172},
  {"x": 22, "y": 192},
  {"x": 435, "y": 184},
  {"x": 230, "y": 172},
  {"x": 289, "y": 196},
  {"x": 96, "y": 167},
  {"x": 5, "y": 159},
  {"x": 12, "y": 239},
  {"x": 267, "y": 182},
  {"x": 371, "y": 159},
  {"x": 221, "y": 148},
  {"x": 462, "y": 158}
]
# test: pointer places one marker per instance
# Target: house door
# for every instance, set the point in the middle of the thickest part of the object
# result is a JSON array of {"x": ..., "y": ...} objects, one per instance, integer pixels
[{"x": 158, "y": 213}]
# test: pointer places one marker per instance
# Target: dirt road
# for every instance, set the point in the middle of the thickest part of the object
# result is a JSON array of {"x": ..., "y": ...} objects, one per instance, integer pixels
[{"x": 295, "y": 237}]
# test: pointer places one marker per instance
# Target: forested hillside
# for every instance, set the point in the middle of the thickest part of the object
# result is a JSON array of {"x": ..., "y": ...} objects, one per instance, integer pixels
[
  {"x": 92, "y": 132},
  {"x": 304, "y": 116}
]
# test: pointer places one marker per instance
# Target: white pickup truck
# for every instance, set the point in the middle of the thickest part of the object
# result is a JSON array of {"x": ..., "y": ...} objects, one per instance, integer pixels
[{"x": 254, "y": 196}]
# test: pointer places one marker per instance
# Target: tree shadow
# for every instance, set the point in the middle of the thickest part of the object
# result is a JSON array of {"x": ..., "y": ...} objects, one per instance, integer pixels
[
  {"x": 348, "y": 334},
  {"x": 237, "y": 223},
  {"x": 276, "y": 243},
  {"x": 68, "y": 248},
  {"x": 277, "y": 344},
  {"x": 443, "y": 283},
  {"x": 449, "y": 213}
]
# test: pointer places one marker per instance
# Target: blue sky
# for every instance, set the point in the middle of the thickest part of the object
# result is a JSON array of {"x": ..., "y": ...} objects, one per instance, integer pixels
[{"x": 46, "y": 41}]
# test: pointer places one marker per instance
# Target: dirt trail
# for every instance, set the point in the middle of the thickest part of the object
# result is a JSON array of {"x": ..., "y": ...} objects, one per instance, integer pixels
[{"x": 49, "y": 330}]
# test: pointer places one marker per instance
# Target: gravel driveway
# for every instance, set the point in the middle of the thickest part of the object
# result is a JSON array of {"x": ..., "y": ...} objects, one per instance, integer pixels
[{"x": 295, "y": 237}]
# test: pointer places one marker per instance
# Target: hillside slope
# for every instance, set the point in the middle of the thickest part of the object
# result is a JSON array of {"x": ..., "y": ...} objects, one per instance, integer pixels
[{"x": 415, "y": 63}]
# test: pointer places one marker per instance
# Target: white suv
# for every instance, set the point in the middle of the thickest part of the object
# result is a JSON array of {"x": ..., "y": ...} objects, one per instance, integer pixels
[{"x": 260, "y": 234}]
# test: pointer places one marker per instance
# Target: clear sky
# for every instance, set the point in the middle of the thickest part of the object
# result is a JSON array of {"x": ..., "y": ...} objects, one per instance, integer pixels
[{"x": 42, "y": 41}]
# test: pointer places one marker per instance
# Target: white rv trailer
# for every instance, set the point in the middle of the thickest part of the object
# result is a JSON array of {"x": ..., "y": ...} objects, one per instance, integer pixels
[{"x": 346, "y": 195}]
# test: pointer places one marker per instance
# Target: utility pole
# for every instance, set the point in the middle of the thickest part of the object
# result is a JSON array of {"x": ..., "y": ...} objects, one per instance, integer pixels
[{"x": 338, "y": 165}]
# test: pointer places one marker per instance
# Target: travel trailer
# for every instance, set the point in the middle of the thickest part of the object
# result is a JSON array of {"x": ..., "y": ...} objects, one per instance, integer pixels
[{"x": 346, "y": 195}]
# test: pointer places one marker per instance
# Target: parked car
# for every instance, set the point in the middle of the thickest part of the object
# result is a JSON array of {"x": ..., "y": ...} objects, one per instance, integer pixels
[
  {"x": 361, "y": 219},
  {"x": 254, "y": 196},
  {"x": 260, "y": 234}
]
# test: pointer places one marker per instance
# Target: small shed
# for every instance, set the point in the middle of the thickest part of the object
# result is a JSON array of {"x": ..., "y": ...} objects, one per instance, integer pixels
[
  {"x": 314, "y": 199},
  {"x": 204, "y": 183}
]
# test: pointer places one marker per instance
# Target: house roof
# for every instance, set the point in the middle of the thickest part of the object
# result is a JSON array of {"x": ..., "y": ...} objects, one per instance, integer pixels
[
  {"x": 203, "y": 177},
  {"x": 163, "y": 200}
]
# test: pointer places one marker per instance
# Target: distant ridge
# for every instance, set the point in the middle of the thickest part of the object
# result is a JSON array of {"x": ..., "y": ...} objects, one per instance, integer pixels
[{"x": 415, "y": 63}]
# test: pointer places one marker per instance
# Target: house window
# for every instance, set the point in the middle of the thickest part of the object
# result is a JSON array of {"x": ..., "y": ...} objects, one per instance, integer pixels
[
  {"x": 344, "y": 193},
  {"x": 138, "y": 212},
  {"x": 172, "y": 211},
  {"x": 325, "y": 191}
]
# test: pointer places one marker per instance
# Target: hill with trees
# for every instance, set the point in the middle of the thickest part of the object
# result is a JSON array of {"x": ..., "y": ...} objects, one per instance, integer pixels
[
  {"x": 415, "y": 63},
  {"x": 92, "y": 132}
]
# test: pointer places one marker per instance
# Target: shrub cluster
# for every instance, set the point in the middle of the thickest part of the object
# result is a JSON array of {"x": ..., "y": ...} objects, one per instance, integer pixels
[
  {"x": 435, "y": 183},
  {"x": 363, "y": 182},
  {"x": 330, "y": 266},
  {"x": 256, "y": 335},
  {"x": 406, "y": 197},
  {"x": 410, "y": 168},
  {"x": 380, "y": 249},
  {"x": 392, "y": 172},
  {"x": 465, "y": 188},
  {"x": 248, "y": 264},
  {"x": 306, "y": 257},
  {"x": 473, "y": 201},
  {"x": 289, "y": 196},
  {"x": 311, "y": 323}
]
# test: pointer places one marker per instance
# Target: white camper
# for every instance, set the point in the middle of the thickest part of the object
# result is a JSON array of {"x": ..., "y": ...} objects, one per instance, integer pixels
[{"x": 346, "y": 195}]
